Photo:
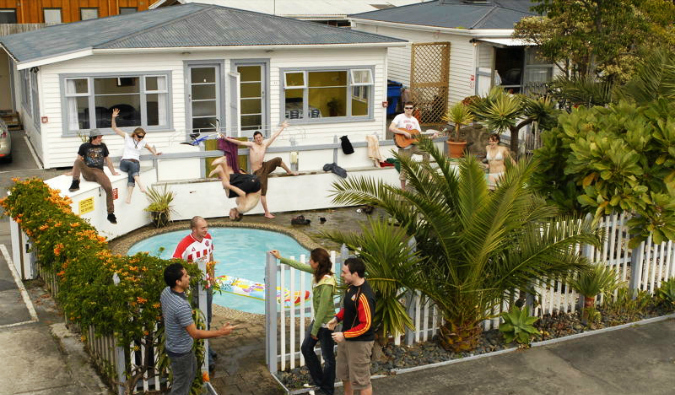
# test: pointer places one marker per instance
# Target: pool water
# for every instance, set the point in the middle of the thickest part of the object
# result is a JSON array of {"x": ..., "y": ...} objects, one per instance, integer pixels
[{"x": 239, "y": 252}]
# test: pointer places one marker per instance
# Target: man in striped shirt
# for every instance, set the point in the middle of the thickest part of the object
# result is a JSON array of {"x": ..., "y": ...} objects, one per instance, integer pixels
[
  {"x": 180, "y": 329},
  {"x": 355, "y": 342},
  {"x": 198, "y": 247}
]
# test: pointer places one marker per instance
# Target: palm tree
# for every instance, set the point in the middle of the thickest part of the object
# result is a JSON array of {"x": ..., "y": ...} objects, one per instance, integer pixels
[
  {"x": 654, "y": 78},
  {"x": 473, "y": 245}
]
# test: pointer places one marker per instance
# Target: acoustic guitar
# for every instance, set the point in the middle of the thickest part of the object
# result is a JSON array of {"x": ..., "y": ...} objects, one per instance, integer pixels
[{"x": 403, "y": 142}]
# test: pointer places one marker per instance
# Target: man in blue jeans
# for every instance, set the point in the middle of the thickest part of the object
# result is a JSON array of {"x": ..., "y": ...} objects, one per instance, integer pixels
[{"x": 181, "y": 330}]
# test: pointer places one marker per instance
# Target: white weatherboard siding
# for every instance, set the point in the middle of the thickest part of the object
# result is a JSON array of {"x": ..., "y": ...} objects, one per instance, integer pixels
[
  {"x": 462, "y": 63},
  {"x": 60, "y": 151}
]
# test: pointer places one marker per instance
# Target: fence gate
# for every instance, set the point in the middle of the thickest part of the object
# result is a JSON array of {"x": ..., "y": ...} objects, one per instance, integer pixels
[{"x": 429, "y": 75}]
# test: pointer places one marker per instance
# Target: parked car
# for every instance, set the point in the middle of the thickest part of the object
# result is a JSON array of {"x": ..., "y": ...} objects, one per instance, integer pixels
[{"x": 5, "y": 143}]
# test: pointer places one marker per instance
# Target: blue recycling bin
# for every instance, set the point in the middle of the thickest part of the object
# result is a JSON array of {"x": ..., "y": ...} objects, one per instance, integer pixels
[{"x": 393, "y": 95}]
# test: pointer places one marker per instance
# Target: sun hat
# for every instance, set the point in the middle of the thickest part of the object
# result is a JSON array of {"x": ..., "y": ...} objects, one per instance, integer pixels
[{"x": 95, "y": 133}]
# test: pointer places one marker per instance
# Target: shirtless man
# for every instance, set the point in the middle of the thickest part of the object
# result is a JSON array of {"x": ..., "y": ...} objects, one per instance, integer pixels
[
  {"x": 261, "y": 168},
  {"x": 244, "y": 187}
]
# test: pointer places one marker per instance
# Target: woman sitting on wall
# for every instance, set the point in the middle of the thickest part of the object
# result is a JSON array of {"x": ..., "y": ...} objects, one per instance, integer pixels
[
  {"x": 496, "y": 155},
  {"x": 130, "y": 163}
]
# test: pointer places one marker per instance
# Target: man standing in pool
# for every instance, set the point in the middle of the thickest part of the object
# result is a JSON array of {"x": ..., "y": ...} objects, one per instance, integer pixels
[
  {"x": 244, "y": 187},
  {"x": 262, "y": 168},
  {"x": 197, "y": 247}
]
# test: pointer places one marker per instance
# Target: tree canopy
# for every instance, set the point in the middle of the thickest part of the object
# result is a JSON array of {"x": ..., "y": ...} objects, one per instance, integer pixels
[{"x": 598, "y": 38}]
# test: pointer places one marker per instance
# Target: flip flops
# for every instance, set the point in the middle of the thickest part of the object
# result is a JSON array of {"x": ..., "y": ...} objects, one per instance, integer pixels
[{"x": 300, "y": 220}]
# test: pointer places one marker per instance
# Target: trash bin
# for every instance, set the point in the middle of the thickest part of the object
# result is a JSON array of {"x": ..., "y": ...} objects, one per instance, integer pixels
[{"x": 393, "y": 95}]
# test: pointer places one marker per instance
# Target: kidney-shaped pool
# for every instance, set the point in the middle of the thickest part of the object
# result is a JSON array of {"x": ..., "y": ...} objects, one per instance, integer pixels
[{"x": 240, "y": 255}]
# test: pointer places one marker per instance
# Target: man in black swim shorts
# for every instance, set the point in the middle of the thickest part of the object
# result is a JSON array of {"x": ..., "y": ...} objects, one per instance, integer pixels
[{"x": 244, "y": 187}]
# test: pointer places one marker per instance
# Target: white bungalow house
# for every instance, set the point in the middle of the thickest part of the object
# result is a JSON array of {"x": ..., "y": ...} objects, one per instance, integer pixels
[
  {"x": 457, "y": 48},
  {"x": 196, "y": 67}
]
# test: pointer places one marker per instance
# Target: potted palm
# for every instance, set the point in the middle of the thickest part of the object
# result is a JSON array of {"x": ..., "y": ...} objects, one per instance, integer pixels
[
  {"x": 160, "y": 205},
  {"x": 459, "y": 115}
]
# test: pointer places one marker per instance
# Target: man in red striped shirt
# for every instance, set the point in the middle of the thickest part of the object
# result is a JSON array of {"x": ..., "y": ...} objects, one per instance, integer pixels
[
  {"x": 198, "y": 247},
  {"x": 355, "y": 342}
]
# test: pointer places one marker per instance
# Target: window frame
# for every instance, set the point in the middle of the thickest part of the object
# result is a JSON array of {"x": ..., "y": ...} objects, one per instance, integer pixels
[
  {"x": 35, "y": 99},
  {"x": 25, "y": 91},
  {"x": 349, "y": 88},
  {"x": 44, "y": 15},
  {"x": 89, "y": 9},
  {"x": 135, "y": 10},
  {"x": 91, "y": 97},
  {"x": 10, "y": 10}
]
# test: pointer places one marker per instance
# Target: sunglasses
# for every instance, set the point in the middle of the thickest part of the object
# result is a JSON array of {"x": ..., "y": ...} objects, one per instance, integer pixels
[
  {"x": 140, "y": 136},
  {"x": 408, "y": 108}
]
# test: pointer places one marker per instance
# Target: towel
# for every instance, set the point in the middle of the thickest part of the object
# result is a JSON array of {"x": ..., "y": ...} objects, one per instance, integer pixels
[
  {"x": 374, "y": 148},
  {"x": 231, "y": 151}
]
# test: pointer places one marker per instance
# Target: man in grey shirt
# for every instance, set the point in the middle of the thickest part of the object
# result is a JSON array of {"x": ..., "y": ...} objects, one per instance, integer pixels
[{"x": 180, "y": 329}]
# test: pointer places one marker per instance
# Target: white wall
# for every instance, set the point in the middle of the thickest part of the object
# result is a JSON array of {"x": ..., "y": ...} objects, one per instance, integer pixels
[
  {"x": 205, "y": 198},
  {"x": 462, "y": 57},
  {"x": 60, "y": 151}
]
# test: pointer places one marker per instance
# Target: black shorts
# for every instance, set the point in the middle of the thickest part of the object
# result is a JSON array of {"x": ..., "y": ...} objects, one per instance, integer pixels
[{"x": 249, "y": 183}]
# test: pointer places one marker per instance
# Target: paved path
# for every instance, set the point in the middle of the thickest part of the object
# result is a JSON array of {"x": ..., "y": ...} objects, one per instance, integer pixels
[{"x": 636, "y": 360}]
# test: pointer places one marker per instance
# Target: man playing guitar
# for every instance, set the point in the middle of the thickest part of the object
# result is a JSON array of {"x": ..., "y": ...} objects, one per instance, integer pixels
[{"x": 405, "y": 125}]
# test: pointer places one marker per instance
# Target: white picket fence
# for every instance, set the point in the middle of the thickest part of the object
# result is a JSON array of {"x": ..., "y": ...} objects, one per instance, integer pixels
[{"x": 286, "y": 327}]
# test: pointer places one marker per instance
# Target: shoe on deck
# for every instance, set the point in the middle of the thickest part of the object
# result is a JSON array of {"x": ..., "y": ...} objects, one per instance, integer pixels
[
  {"x": 112, "y": 218},
  {"x": 74, "y": 186}
]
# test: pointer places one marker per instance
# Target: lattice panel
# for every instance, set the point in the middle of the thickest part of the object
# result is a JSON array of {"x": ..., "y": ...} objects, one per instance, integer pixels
[{"x": 429, "y": 76}]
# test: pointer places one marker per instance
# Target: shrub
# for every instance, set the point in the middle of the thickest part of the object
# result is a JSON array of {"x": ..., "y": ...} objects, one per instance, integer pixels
[
  {"x": 117, "y": 295},
  {"x": 518, "y": 325}
]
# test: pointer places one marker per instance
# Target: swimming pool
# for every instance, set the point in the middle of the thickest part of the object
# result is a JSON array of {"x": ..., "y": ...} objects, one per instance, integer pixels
[{"x": 240, "y": 252}]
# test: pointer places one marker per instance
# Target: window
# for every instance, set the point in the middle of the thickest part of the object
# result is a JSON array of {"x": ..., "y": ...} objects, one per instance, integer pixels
[
  {"x": 7, "y": 15},
  {"x": 311, "y": 95},
  {"x": 127, "y": 10},
  {"x": 88, "y": 13},
  {"x": 25, "y": 90},
  {"x": 142, "y": 101},
  {"x": 35, "y": 99},
  {"x": 52, "y": 15}
]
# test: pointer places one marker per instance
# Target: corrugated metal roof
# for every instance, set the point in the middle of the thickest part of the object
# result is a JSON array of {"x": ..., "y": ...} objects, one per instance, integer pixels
[
  {"x": 190, "y": 25},
  {"x": 496, "y": 14},
  {"x": 311, "y": 9}
]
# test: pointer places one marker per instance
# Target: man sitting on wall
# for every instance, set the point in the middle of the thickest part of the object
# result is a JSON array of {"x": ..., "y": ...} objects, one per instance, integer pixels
[
  {"x": 245, "y": 187},
  {"x": 89, "y": 163}
]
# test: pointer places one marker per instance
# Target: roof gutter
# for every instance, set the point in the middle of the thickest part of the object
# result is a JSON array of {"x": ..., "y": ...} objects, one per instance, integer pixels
[
  {"x": 246, "y": 48},
  {"x": 8, "y": 53},
  {"x": 91, "y": 51},
  {"x": 476, "y": 33},
  {"x": 55, "y": 59}
]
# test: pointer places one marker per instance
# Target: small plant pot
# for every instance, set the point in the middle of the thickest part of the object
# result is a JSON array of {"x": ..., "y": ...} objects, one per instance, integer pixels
[
  {"x": 456, "y": 149},
  {"x": 159, "y": 218}
]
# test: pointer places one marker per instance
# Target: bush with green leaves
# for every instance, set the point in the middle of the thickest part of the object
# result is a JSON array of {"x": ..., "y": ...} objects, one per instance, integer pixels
[
  {"x": 620, "y": 158},
  {"x": 518, "y": 325}
]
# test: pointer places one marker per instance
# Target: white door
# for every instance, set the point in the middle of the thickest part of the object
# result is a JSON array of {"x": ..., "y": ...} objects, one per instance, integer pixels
[{"x": 204, "y": 98}]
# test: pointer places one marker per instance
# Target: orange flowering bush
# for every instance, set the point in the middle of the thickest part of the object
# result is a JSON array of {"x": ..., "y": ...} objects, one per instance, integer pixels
[{"x": 118, "y": 295}]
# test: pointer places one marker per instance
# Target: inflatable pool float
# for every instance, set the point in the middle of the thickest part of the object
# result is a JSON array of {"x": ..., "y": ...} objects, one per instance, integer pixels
[{"x": 251, "y": 289}]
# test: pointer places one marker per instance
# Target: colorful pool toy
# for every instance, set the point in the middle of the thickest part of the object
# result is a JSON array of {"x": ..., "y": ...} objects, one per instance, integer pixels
[{"x": 252, "y": 289}]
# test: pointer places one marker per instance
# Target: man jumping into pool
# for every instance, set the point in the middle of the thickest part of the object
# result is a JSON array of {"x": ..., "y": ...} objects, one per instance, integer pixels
[
  {"x": 261, "y": 168},
  {"x": 244, "y": 187}
]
